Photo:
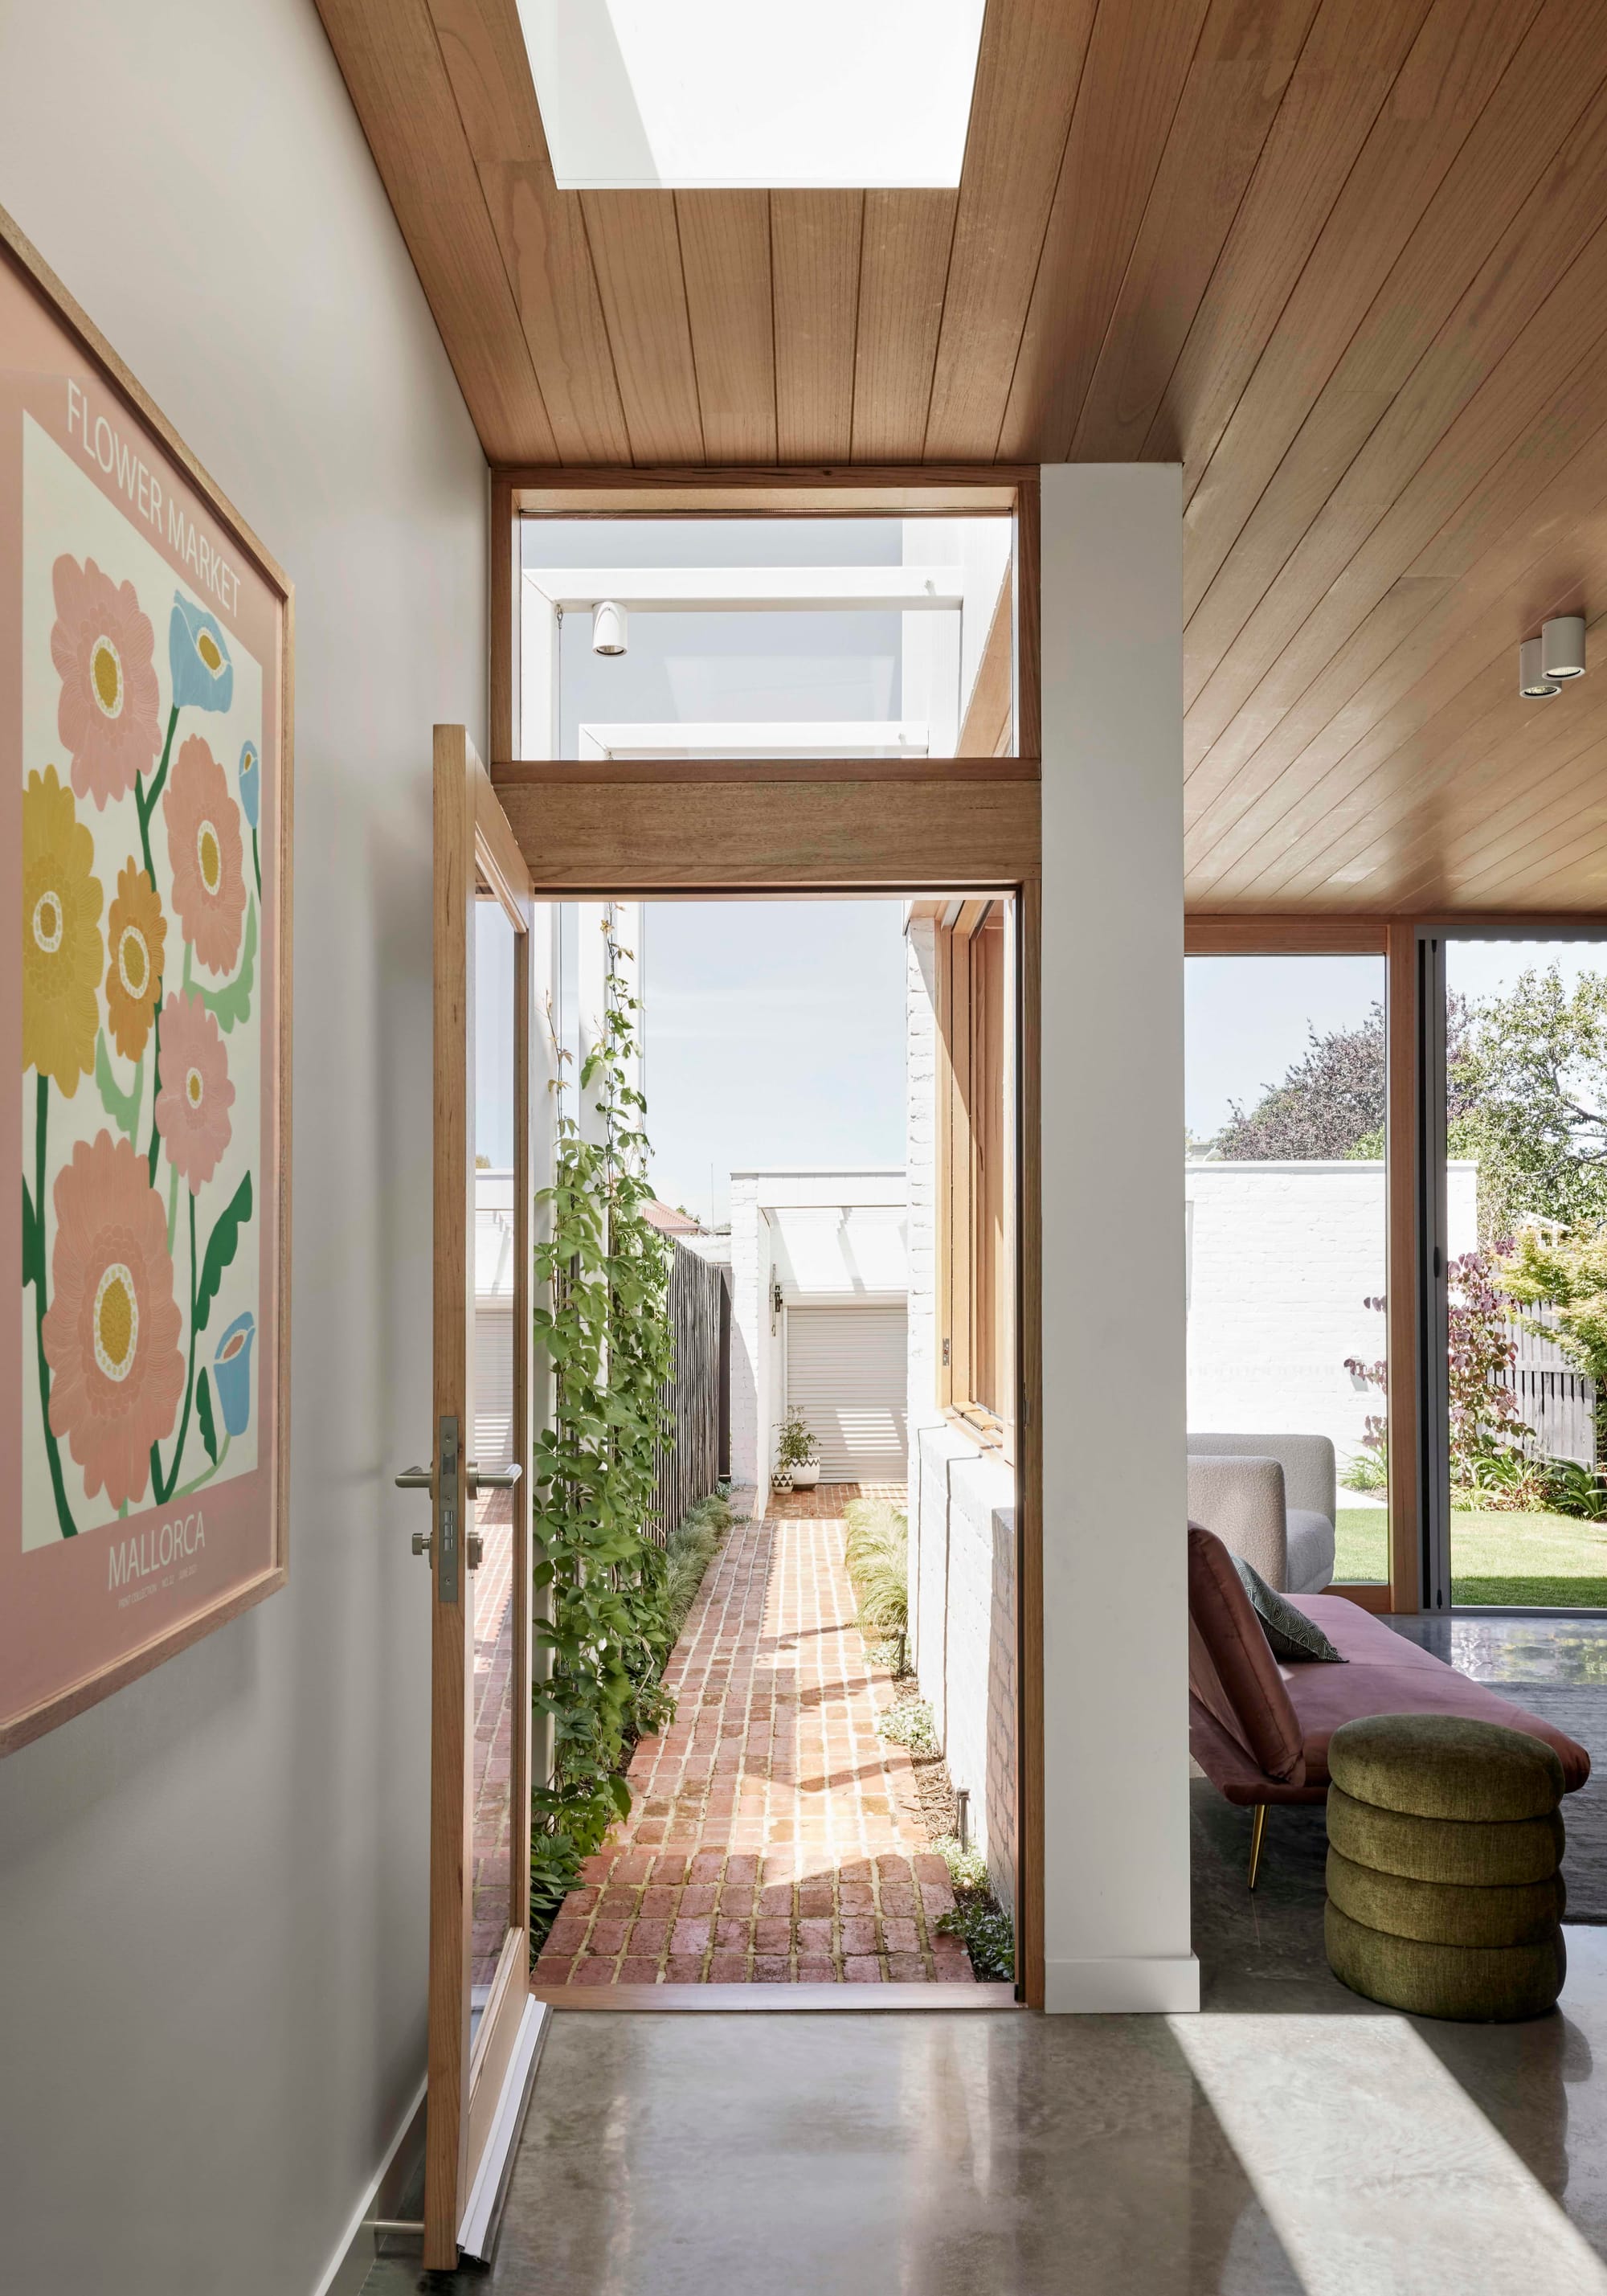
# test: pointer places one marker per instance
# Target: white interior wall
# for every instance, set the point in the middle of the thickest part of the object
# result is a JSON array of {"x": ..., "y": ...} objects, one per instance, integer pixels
[
  {"x": 213, "y": 1885},
  {"x": 1115, "y": 1596}
]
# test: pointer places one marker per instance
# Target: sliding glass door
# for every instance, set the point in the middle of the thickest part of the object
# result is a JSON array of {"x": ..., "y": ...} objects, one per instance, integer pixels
[
  {"x": 1519, "y": 1288},
  {"x": 1285, "y": 1211}
]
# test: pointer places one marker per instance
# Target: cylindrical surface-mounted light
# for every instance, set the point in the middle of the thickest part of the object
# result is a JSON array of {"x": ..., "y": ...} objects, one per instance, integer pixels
[
  {"x": 608, "y": 628},
  {"x": 1533, "y": 684},
  {"x": 1562, "y": 646}
]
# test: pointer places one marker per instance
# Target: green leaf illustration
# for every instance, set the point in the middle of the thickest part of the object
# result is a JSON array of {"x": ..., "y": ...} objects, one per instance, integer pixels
[
  {"x": 221, "y": 1246},
  {"x": 203, "y": 1412},
  {"x": 122, "y": 1107},
  {"x": 233, "y": 1004}
]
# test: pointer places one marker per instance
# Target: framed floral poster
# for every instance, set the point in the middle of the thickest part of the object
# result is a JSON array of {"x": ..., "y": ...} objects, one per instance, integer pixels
[{"x": 145, "y": 789}]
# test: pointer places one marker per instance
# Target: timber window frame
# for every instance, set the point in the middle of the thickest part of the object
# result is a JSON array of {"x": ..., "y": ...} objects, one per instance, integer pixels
[{"x": 975, "y": 953}]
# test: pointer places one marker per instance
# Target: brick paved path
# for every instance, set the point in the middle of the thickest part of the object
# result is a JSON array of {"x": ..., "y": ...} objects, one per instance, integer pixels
[
  {"x": 493, "y": 1732},
  {"x": 775, "y": 1837}
]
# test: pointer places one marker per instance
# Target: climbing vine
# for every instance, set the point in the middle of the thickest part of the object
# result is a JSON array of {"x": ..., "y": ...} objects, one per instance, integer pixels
[{"x": 607, "y": 1333}]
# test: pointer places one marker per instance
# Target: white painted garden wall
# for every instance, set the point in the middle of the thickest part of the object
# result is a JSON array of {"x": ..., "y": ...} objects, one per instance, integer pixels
[{"x": 1281, "y": 1256}]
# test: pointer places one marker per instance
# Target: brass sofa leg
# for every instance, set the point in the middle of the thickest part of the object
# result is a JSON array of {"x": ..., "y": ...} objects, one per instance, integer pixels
[{"x": 1257, "y": 1834}]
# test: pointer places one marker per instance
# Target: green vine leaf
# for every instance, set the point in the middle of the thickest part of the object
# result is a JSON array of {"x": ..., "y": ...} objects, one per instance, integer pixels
[
  {"x": 221, "y": 1247},
  {"x": 122, "y": 1107},
  {"x": 234, "y": 1003}
]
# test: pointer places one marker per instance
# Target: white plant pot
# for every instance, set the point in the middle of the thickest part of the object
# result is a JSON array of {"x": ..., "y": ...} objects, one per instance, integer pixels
[
  {"x": 804, "y": 1479},
  {"x": 782, "y": 1479}
]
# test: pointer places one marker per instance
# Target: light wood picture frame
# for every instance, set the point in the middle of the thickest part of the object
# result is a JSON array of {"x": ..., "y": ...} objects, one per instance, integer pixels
[{"x": 145, "y": 784}]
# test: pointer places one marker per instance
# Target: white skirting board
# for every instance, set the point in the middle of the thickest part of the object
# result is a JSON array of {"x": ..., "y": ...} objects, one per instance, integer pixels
[
  {"x": 477, "y": 2233},
  {"x": 1138, "y": 1985},
  {"x": 352, "y": 2261}
]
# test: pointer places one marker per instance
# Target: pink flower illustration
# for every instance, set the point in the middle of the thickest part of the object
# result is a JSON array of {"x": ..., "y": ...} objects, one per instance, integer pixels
[
  {"x": 104, "y": 650},
  {"x": 193, "y": 1106},
  {"x": 206, "y": 855},
  {"x": 112, "y": 1329}
]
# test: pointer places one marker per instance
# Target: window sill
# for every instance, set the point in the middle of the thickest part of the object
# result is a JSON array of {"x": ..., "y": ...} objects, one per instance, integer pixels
[{"x": 981, "y": 1427}]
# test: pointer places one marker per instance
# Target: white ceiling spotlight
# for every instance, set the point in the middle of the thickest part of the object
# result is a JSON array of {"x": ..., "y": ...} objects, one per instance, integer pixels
[
  {"x": 1533, "y": 684},
  {"x": 608, "y": 628},
  {"x": 721, "y": 95},
  {"x": 1562, "y": 646}
]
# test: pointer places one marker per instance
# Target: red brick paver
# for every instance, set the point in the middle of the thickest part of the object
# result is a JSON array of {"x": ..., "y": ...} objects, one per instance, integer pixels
[{"x": 775, "y": 1837}]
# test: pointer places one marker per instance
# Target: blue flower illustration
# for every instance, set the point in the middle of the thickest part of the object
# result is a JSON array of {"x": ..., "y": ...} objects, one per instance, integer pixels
[
  {"x": 198, "y": 654},
  {"x": 232, "y": 1370},
  {"x": 251, "y": 782}
]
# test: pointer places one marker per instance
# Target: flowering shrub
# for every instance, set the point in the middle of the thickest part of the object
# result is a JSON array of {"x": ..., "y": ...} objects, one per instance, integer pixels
[{"x": 1485, "y": 1424}]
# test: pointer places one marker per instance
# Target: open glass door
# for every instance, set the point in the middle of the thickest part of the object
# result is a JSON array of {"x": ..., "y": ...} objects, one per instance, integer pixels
[{"x": 484, "y": 2028}]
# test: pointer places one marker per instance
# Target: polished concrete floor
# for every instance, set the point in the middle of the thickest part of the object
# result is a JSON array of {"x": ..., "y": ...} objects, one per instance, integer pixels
[{"x": 1290, "y": 2138}]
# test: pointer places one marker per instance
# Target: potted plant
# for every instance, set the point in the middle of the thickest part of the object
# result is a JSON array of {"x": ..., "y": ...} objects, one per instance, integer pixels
[{"x": 796, "y": 1453}]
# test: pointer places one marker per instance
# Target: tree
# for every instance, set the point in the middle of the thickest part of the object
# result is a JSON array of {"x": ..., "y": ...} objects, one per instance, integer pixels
[
  {"x": 1331, "y": 1102},
  {"x": 1536, "y": 1075},
  {"x": 1330, "y": 1099}
]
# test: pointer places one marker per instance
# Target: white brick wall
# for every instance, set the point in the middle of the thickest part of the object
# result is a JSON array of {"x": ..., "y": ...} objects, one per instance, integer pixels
[{"x": 1280, "y": 1257}]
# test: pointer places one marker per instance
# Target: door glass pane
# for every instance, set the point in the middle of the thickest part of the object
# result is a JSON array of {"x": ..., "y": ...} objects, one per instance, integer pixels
[
  {"x": 1284, "y": 1230},
  {"x": 1526, "y": 1204},
  {"x": 493, "y": 1391}
]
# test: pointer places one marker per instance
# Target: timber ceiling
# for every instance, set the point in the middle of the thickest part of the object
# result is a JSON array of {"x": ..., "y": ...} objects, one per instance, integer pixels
[{"x": 1346, "y": 260}]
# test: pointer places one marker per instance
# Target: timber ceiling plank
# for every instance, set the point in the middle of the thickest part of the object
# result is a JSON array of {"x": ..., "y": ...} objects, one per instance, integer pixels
[
  {"x": 1501, "y": 224},
  {"x": 1346, "y": 71},
  {"x": 726, "y": 257},
  {"x": 1485, "y": 750},
  {"x": 1394, "y": 497},
  {"x": 1437, "y": 702},
  {"x": 904, "y": 250},
  {"x": 1132, "y": 80},
  {"x": 1501, "y": 544},
  {"x": 636, "y": 256},
  {"x": 815, "y": 249},
  {"x": 1236, "y": 84},
  {"x": 1028, "y": 73},
  {"x": 1513, "y": 782},
  {"x": 538, "y": 227},
  {"x": 392, "y": 65}
]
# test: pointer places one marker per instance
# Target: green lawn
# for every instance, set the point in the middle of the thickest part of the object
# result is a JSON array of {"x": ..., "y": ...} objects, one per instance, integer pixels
[{"x": 1544, "y": 1560}]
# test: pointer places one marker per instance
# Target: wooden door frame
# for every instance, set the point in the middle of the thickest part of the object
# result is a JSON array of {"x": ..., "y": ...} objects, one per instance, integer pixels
[
  {"x": 472, "y": 840},
  {"x": 770, "y": 827}
]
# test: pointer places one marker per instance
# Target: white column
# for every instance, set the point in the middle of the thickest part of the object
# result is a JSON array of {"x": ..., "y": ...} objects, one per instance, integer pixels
[{"x": 1115, "y": 1607}]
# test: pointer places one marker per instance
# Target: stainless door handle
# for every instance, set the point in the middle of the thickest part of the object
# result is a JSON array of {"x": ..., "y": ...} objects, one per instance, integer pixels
[
  {"x": 494, "y": 1478},
  {"x": 415, "y": 1479}
]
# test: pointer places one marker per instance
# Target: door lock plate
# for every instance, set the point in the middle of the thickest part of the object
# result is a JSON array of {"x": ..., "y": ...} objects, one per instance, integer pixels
[{"x": 448, "y": 1510}]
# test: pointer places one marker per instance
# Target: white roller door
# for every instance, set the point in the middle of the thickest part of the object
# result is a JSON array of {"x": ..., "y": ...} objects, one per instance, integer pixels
[{"x": 848, "y": 1372}]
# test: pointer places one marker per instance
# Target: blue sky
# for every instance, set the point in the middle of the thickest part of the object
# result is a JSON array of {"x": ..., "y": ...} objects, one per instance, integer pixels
[
  {"x": 1246, "y": 1017},
  {"x": 775, "y": 1036}
]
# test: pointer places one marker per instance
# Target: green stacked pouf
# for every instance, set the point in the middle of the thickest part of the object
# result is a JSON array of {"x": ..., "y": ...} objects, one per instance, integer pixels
[{"x": 1445, "y": 1841}]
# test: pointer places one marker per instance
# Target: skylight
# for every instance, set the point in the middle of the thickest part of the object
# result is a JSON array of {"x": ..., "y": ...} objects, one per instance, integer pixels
[{"x": 723, "y": 94}]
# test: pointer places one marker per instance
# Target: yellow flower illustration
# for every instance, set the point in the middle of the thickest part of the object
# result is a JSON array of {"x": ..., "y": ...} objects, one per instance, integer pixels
[
  {"x": 136, "y": 945},
  {"x": 61, "y": 935}
]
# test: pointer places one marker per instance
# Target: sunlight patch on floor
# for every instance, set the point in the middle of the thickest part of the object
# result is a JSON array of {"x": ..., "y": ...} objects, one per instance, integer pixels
[{"x": 1380, "y": 2175}]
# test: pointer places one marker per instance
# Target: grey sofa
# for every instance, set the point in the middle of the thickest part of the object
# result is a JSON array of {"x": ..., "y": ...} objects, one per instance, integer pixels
[{"x": 1270, "y": 1498}]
